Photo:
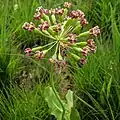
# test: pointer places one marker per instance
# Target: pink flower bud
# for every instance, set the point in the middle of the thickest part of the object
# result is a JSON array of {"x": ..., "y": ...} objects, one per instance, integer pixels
[
  {"x": 85, "y": 51},
  {"x": 81, "y": 14},
  {"x": 28, "y": 51},
  {"x": 90, "y": 42},
  {"x": 95, "y": 31},
  {"x": 44, "y": 26},
  {"x": 38, "y": 15},
  {"x": 59, "y": 11},
  {"x": 29, "y": 26},
  {"x": 83, "y": 61},
  {"x": 91, "y": 45},
  {"x": 72, "y": 38},
  {"x": 77, "y": 14},
  {"x": 74, "y": 14},
  {"x": 84, "y": 21}
]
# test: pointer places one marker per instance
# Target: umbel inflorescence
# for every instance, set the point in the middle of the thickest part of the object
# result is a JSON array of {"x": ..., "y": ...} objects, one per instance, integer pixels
[{"x": 63, "y": 26}]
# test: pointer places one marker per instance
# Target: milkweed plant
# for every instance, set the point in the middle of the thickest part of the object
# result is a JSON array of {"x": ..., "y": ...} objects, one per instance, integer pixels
[{"x": 63, "y": 27}]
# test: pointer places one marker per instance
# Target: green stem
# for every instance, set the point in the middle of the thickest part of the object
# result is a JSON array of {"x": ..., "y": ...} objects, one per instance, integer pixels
[
  {"x": 74, "y": 56},
  {"x": 45, "y": 51},
  {"x": 55, "y": 54},
  {"x": 37, "y": 48},
  {"x": 52, "y": 46},
  {"x": 84, "y": 34},
  {"x": 68, "y": 30},
  {"x": 77, "y": 49},
  {"x": 59, "y": 55},
  {"x": 37, "y": 30}
]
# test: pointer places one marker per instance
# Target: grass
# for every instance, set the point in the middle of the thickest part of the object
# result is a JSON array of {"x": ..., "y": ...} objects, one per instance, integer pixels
[
  {"x": 96, "y": 85},
  {"x": 23, "y": 104}
]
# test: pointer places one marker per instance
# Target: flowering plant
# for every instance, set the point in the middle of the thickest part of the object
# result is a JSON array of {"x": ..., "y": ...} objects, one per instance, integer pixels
[{"x": 63, "y": 26}]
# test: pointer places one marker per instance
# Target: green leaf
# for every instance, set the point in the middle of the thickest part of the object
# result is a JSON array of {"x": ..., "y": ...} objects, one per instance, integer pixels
[
  {"x": 77, "y": 29},
  {"x": 69, "y": 98},
  {"x": 74, "y": 115},
  {"x": 45, "y": 17},
  {"x": 102, "y": 94},
  {"x": 108, "y": 87},
  {"x": 115, "y": 32},
  {"x": 69, "y": 106},
  {"x": 53, "y": 103}
]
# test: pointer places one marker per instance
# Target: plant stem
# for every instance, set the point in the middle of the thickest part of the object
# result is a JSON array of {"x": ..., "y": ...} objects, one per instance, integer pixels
[
  {"x": 37, "y": 48},
  {"x": 84, "y": 34},
  {"x": 37, "y": 30},
  {"x": 55, "y": 54}
]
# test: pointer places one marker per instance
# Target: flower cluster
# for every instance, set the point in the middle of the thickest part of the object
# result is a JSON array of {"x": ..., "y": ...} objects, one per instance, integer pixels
[
  {"x": 29, "y": 26},
  {"x": 44, "y": 26},
  {"x": 78, "y": 14},
  {"x": 63, "y": 27},
  {"x": 39, "y": 12}
]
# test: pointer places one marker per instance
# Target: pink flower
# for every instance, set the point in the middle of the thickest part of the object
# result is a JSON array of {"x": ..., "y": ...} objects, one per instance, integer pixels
[
  {"x": 84, "y": 21},
  {"x": 81, "y": 14},
  {"x": 44, "y": 26},
  {"x": 72, "y": 38},
  {"x": 46, "y": 11},
  {"x": 29, "y": 26},
  {"x": 59, "y": 11},
  {"x": 83, "y": 61},
  {"x": 38, "y": 15},
  {"x": 77, "y": 14},
  {"x": 90, "y": 42},
  {"x": 85, "y": 51},
  {"x": 91, "y": 45},
  {"x": 40, "y": 9},
  {"x": 74, "y": 14},
  {"x": 95, "y": 31},
  {"x": 28, "y": 51},
  {"x": 39, "y": 12}
]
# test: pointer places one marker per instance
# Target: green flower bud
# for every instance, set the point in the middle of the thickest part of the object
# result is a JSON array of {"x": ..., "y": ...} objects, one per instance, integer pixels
[
  {"x": 75, "y": 56},
  {"x": 77, "y": 49},
  {"x": 84, "y": 34},
  {"x": 60, "y": 57},
  {"x": 53, "y": 18},
  {"x": 46, "y": 18},
  {"x": 41, "y": 20},
  {"x": 65, "y": 13},
  {"x": 81, "y": 43},
  {"x": 36, "y": 48}
]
